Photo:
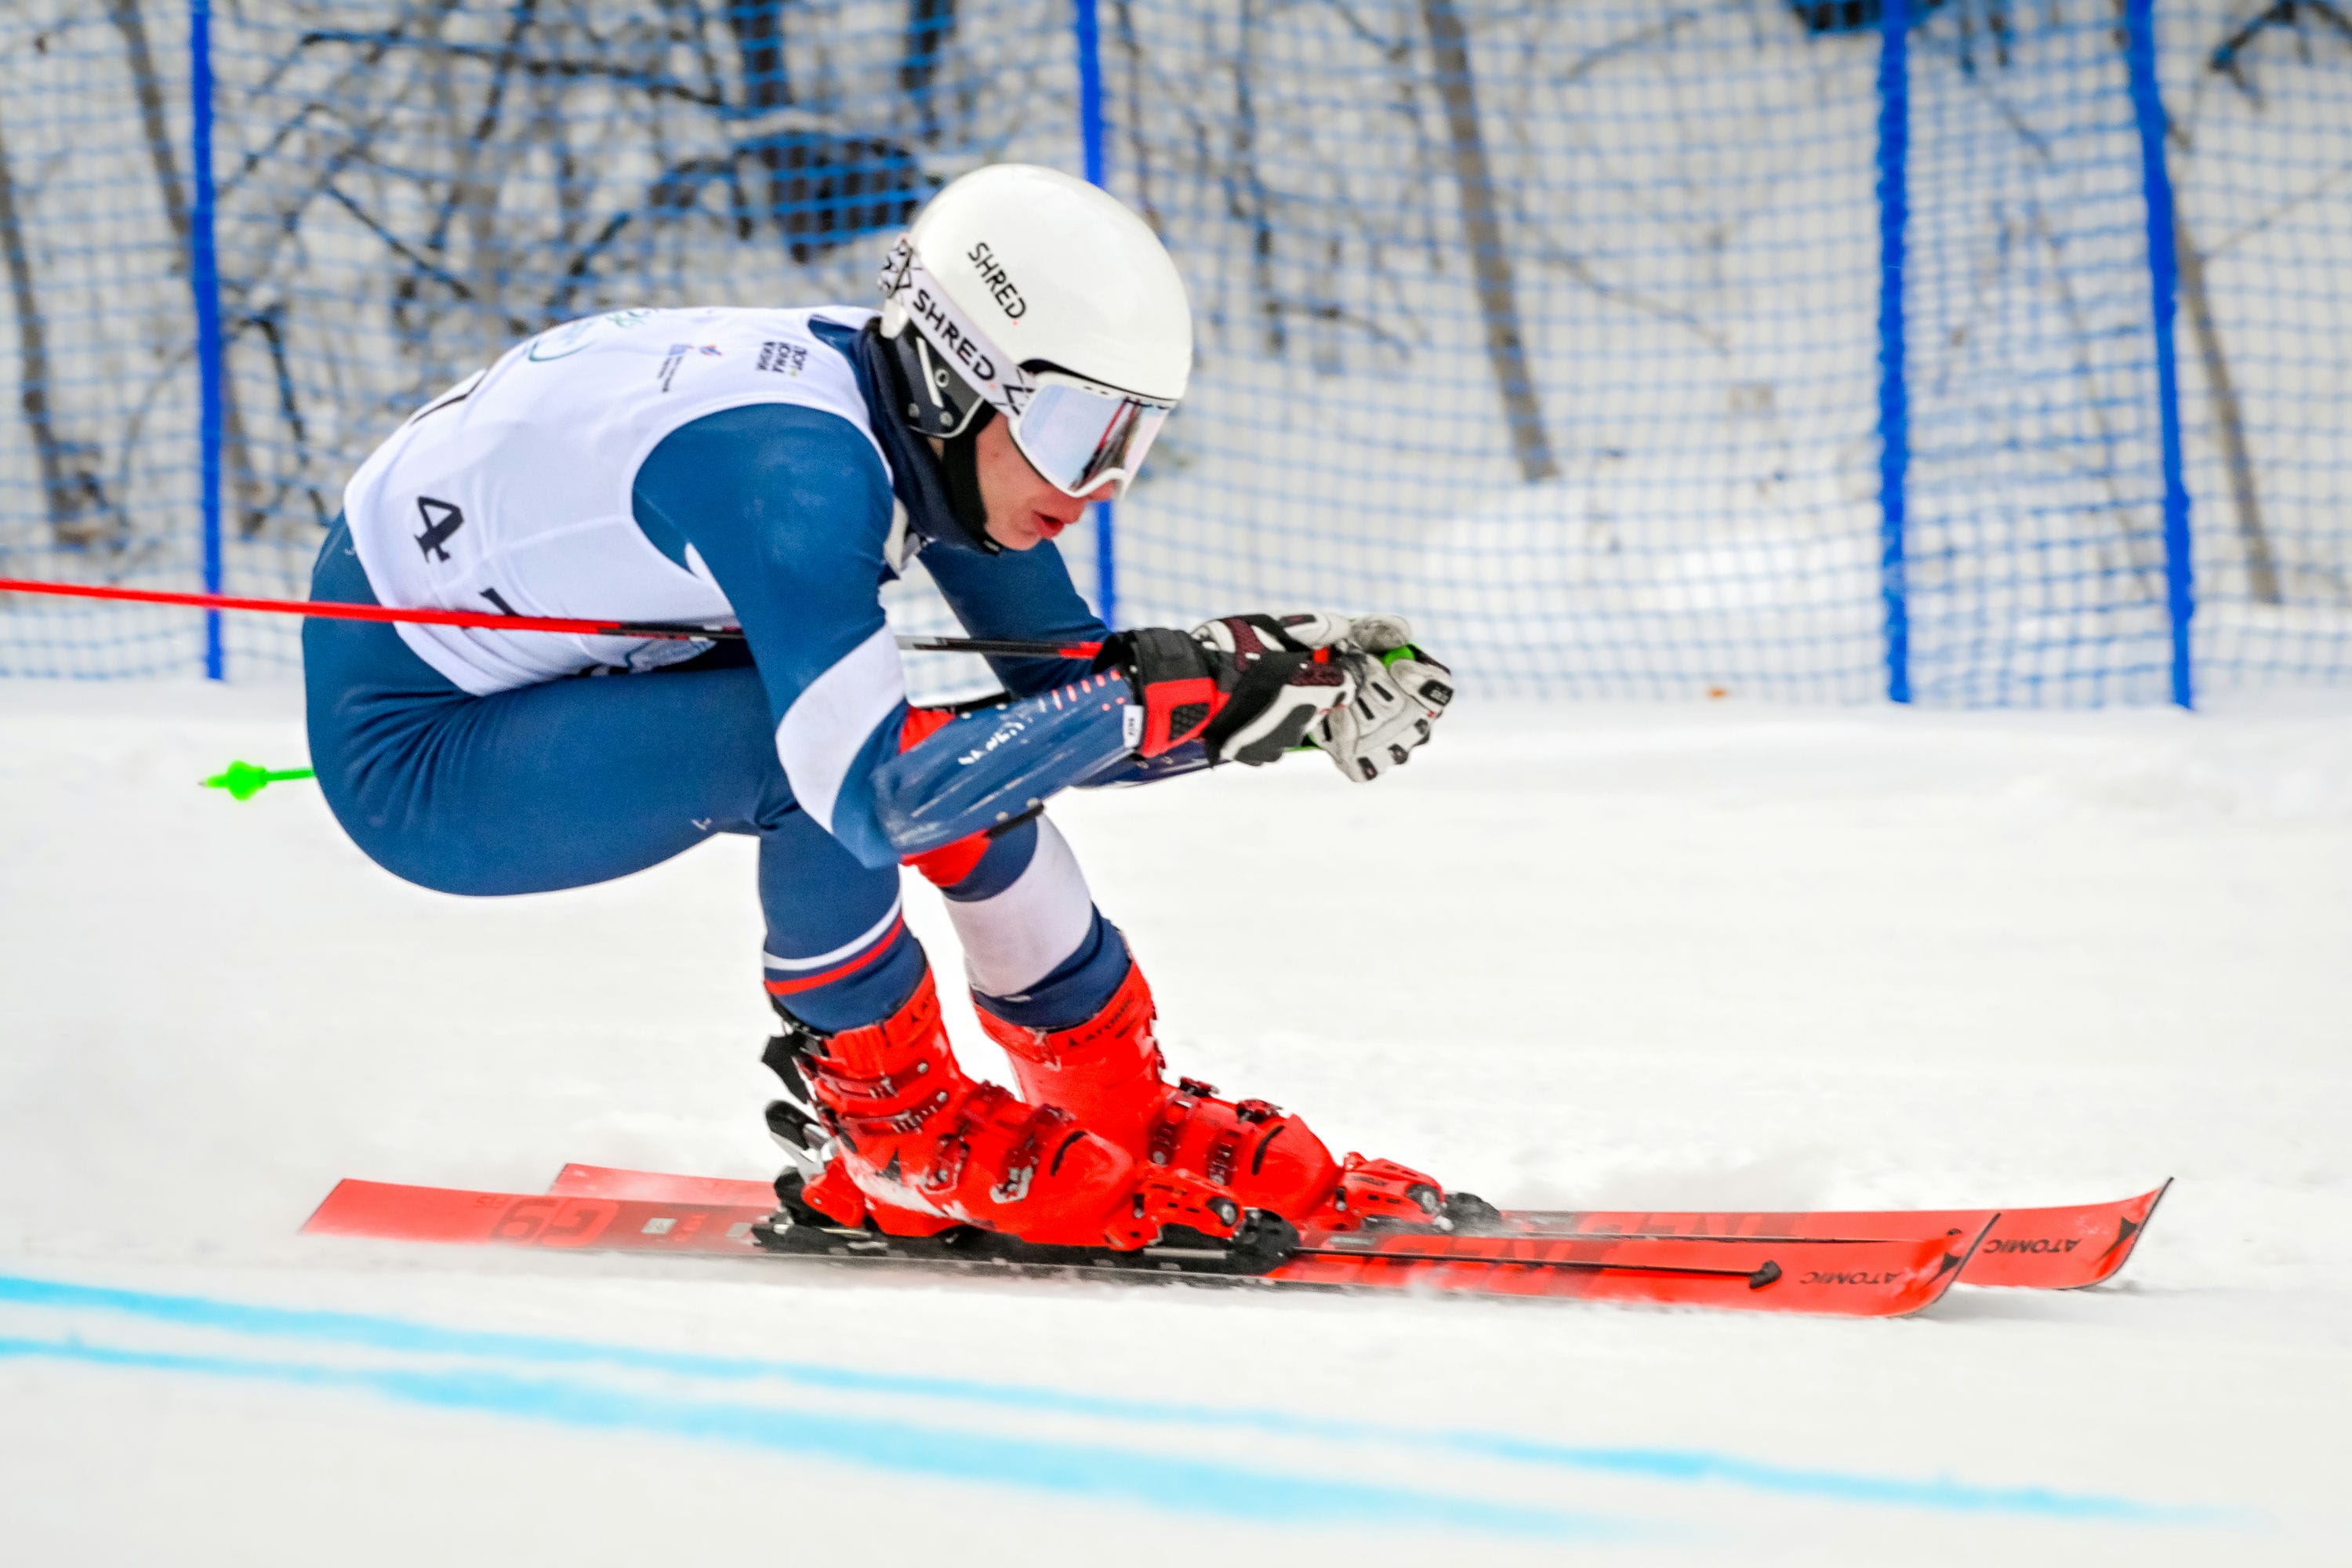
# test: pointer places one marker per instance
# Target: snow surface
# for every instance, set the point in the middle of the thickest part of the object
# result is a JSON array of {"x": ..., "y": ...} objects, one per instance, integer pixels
[{"x": 1651, "y": 956}]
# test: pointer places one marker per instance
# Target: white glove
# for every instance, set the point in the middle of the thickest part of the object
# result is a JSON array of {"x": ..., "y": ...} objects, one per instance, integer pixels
[{"x": 1399, "y": 691}]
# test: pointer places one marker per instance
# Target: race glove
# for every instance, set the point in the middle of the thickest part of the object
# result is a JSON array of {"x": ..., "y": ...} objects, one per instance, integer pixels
[
  {"x": 1396, "y": 700},
  {"x": 1242, "y": 685}
]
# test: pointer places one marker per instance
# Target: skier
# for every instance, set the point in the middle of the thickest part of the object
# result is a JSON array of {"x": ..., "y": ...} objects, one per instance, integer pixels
[{"x": 773, "y": 468}]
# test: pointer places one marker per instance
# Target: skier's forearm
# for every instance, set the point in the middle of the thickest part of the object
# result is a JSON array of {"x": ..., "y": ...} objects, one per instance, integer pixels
[{"x": 984, "y": 768}]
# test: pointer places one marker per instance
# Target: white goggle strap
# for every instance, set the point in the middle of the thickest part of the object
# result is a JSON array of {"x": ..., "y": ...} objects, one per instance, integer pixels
[{"x": 915, "y": 295}]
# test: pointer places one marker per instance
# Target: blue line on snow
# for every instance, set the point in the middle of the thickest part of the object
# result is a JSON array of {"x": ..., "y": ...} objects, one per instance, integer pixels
[
  {"x": 1187, "y": 1486},
  {"x": 1685, "y": 1466},
  {"x": 1692, "y": 1467}
]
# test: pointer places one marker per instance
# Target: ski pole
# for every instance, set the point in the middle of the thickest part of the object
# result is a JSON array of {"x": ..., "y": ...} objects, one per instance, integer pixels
[{"x": 486, "y": 620}]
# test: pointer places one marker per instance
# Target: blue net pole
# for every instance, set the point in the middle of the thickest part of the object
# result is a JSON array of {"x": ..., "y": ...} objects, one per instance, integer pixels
[
  {"x": 1893, "y": 408},
  {"x": 1087, "y": 25},
  {"x": 2148, "y": 108},
  {"x": 203, "y": 281}
]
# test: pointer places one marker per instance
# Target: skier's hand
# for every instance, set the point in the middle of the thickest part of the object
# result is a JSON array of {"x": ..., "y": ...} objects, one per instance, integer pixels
[
  {"x": 1242, "y": 685},
  {"x": 1400, "y": 694}
]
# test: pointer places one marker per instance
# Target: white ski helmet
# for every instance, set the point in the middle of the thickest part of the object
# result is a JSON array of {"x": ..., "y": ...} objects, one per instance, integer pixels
[{"x": 1047, "y": 299}]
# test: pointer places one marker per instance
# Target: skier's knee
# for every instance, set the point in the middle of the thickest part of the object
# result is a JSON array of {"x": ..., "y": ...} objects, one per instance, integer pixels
[{"x": 980, "y": 864}]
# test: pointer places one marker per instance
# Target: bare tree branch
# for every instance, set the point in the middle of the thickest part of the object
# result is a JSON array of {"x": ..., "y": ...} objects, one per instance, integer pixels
[{"x": 78, "y": 513}]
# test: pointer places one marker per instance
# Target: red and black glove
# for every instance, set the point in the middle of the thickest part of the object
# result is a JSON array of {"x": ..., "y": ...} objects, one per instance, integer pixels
[{"x": 1242, "y": 685}]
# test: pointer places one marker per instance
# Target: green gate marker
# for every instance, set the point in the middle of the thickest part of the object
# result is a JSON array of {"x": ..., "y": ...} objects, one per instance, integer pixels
[{"x": 246, "y": 780}]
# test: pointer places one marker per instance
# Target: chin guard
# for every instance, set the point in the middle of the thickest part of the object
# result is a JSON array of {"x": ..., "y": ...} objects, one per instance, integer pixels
[
  {"x": 942, "y": 491},
  {"x": 938, "y": 402}
]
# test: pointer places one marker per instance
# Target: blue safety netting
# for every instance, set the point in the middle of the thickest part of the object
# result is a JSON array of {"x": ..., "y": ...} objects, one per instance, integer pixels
[{"x": 1975, "y": 352}]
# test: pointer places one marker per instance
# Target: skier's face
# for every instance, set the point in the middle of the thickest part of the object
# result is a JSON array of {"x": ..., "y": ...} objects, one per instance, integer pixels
[{"x": 1023, "y": 509}]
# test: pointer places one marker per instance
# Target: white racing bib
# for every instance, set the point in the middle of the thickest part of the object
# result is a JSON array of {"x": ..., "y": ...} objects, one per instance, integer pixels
[{"x": 510, "y": 492}]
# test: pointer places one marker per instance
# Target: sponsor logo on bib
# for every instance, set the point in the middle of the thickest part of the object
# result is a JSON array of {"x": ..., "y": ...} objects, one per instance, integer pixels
[
  {"x": 678, "y": 355},
  {"x": 563, "y": 341}
]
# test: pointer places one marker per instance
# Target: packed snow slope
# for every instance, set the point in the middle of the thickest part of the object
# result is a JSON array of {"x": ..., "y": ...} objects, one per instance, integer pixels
[{"x": 1644, "y": 957}]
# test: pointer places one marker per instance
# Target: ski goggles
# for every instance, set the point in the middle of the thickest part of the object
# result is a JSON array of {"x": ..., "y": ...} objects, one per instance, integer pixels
[{"x": 1080, "y": 435}]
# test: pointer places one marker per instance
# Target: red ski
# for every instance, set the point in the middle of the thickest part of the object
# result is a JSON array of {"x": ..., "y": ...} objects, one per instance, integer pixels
[
  {"x": 1856, "y": 1278},
  {"x": 1849, "y": 1279},
  {"x": 2059, "y": 1248},
  {"x": 612, "y": 1181},
  {"x": 396, "y": 1213}
]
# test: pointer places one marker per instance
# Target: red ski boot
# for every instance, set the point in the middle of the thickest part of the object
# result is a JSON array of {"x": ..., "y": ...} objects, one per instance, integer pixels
[
  {"x": 919, "y": 1148},
  {"x": 1107, "y": 1073}
]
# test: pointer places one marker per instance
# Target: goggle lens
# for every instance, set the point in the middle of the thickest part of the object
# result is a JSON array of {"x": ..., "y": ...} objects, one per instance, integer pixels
[{"x": 1078, "y": 437}]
